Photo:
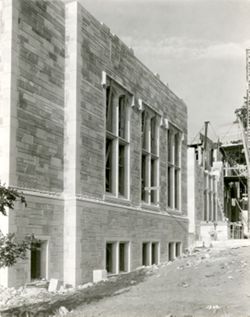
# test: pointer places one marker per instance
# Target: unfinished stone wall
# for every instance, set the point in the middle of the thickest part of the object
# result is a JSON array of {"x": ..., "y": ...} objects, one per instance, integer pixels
[{"x": 199, "y": 198}]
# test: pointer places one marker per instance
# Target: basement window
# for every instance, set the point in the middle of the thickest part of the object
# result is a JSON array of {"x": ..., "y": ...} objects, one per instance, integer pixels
[
  {"x": 155, "y": 252},
  {"x": 117, "y": 140},
  {"x": 117, "y": 257},
  {"x": 38, "y": 260},
  {"x": 150, "y": 253},
  {"x": 145, "y": 254},
  {"x": 178, "y": 249},
  {"x": 171, "y": 251}
]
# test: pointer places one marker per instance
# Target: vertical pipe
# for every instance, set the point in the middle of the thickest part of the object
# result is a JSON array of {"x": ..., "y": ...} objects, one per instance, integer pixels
[{"x": 205, "y": 145}]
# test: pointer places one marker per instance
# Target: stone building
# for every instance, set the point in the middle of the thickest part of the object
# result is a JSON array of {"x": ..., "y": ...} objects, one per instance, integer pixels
[
  {"x": 205, "y": 192},
  {"x": 96, "y": 142}
]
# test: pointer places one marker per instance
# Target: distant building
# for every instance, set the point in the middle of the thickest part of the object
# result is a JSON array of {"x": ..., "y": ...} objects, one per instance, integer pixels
[
  {"x": 97, "y": 143},
  {"x": 235, "y": 184},
  {"x": 205, "y": 192}
]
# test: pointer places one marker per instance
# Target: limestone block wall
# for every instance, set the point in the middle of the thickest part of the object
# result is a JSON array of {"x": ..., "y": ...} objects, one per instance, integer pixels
[
  {"x": 55, "y": 123},
  {"x": 5, "y": 71},
  {"x": 107, "y": 222},
  {"x": 102, "y": 51},
  {"x": 199, "y": 198},
  {"x": 8, "y": 73},
  {"x": 90, "y": 218},
  {"x": 40, "y": 90},
  {"x": 43, "y": 217}
]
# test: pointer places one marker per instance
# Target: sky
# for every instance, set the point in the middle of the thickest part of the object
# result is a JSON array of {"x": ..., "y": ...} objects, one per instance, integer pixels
[{"x": 196, "y": 46}]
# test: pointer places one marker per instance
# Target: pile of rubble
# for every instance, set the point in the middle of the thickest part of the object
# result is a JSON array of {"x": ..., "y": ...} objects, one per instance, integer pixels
[
  {"x": 39, "y": 291},
  {"x": 45, "y": 293}
]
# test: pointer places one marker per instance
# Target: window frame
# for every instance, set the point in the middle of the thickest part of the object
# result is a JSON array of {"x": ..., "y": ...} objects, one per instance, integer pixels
[
  {"x": 149, "y": 256},
  {"x": 210, "y": 197},
  {"x": 174, "y": 168},
  {"x": 152, "y": 178},
  {"x": 118, "y": 141},
  {"x": 116, "y": 256}
]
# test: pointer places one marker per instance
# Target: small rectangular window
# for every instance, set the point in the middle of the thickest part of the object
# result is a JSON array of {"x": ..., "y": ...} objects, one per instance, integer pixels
[
  {"x": 171, "y": 251},
  {"x": 145, "y": 254},
  {"x": 155, "y": 253},
  {"x": 38, "y": 259},
  {"x": 122, "y": 261},
  {"x": 110, "y": 267},
  {"x": 178, "y": 249}
]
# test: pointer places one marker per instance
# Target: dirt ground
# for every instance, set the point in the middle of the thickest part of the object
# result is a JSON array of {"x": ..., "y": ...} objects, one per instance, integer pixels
[{"x": 212, "y": 282}]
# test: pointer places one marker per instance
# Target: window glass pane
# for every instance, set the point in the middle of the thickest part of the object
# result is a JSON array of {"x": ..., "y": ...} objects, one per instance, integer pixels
[
  {"x": 210, "y": 205},
  {"x": 122, "y": 257},
  {"x": 170, "y": 187},
  {"x": 144, "y": 129},
  {"x": 153, "y": 135},
  {"x": 35, "y": 260},
  {"x": 169, "y": 147},
  {"x": 177, "y": 187},
  {"x": 205, "y": 206},
  {"x": 109, "y": 257},
  {"x": 144, "y": 254},
  {"x": 176, "y": 147},
  {"x": 109, "y": 109},
  {"x": 155, "y": 246},
  {"x": 171, "y": 254},
  {"x": 143, "y": 177},
  {"x": 108, "y": 165},
  {"x": 214, "y": 207},
  {"x": 153, "y": 180},
  {"x": 121, "y": 169},
  {"x": 178, "y": 249},
  {"x": 122, "y": 116}
]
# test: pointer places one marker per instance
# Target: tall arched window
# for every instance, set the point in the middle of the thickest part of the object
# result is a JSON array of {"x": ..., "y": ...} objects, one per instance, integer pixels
[{"x": 117, "y": 140}]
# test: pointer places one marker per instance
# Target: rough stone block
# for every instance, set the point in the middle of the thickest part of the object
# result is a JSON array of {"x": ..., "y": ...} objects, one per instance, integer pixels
[{"x": 99, "y": 275}]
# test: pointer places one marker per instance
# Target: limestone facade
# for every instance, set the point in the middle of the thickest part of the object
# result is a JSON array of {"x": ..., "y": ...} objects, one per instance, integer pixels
[{"x": 55, "y": 68}]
